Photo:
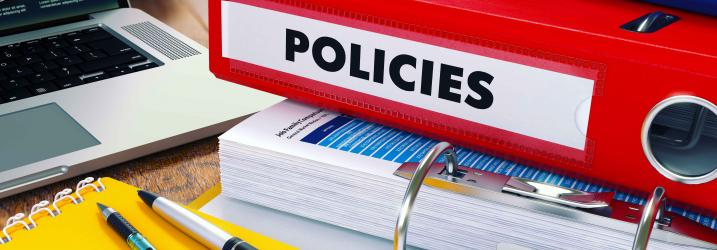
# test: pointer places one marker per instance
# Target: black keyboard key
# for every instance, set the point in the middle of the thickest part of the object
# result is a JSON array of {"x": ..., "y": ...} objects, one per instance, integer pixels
[
  {"x": 76, "y": 49},
  {"x": 112, "y": 46},
  {"x": 31, "y": 43},
  {"x": 10, "y": 54},
  {"x": 69, "y": 60},
  {"x": 95, "y": 78},
  {"x": 15, "y": 94},
  {"x": 135, "y": 57},
  {"x": 44, "y": 66},
  {"x": 41, "y": 77},
  {"x": 28, "y": 59},
  {"x": 117, "y": 67},
  {"x": 53, "y": 54},
  {"x": 34, "y": 49},
  {"x": 18, "y": 72},
  {"x": 12, "y": 46},
  {"x": 57, "y": 44},
  {"x": 144, "y": 66},
  {"x": 5, "y": 65},
  {"x": 89, "y": 37},
  {"x": 92, "y": 55},
  {"x": 93, "y": 30},
  {"x": 111, "y": 61},
  {"x": 119, "y": 71},
  {"x": 3, "y": 77},
  {"x": 71, "y": 34},
  {"x": 50, "y": 39},
  {"x": 13, "y": 83},
  {"x": 68, "y": 82},
  {"x": 42, "y": 88},
  {"x": 67, "y": 71}
]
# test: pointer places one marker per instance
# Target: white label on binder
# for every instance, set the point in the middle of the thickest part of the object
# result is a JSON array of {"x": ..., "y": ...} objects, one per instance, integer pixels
[{"x": 526, "y": 100}]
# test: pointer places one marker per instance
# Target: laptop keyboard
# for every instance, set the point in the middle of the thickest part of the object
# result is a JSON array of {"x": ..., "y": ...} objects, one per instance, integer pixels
[{"x": 63, "y": 61}]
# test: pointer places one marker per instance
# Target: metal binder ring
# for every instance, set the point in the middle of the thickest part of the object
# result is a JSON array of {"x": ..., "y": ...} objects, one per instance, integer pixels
[
  {"x": 401, "y": 230},
  {"x": 651, "y": 212}
]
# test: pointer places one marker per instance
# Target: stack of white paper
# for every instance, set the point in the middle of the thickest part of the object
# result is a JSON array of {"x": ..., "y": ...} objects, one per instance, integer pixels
[{"x": 338, "y": 169}]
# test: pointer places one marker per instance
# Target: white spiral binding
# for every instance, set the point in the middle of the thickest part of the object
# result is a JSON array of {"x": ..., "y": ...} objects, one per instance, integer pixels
[
  {"x": 64, "y": 194},
  {"x": 38, "y": 208},
  {"x": 87, "y": 182},
  {"x": 17, "y": 219},
  {"x": 43, "y": 206}
]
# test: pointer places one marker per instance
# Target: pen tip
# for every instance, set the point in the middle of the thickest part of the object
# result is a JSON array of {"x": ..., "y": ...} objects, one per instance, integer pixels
[
  {"x": 102, "y": 207},
  {"x": 147, "y": 197}
]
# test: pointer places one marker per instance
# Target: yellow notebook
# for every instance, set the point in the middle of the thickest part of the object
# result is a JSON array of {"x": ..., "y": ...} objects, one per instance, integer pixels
[{"x": 81, "y": 226}]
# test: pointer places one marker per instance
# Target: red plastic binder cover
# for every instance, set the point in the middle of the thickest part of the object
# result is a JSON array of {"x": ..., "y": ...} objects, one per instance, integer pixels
[{"x": 556, "y": 84}]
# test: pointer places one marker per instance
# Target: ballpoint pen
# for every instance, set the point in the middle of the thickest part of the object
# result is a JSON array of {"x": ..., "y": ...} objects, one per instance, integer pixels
[
  {"x": 134, "y": 239},
  {"x": 199, "y": 229}
]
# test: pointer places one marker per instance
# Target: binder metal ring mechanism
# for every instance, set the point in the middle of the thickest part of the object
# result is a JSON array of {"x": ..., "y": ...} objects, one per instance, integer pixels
[{"x": 545, "y": 198}]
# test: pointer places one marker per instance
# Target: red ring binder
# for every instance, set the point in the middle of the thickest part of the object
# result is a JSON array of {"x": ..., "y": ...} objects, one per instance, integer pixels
[{"x": 613, "y": 77}]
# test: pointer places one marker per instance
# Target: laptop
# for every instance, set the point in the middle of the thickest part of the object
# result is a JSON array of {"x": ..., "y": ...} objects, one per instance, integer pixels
[{"x": 88, "y": 84}]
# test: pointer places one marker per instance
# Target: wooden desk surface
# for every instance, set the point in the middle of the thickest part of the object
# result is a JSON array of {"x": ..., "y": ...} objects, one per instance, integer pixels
[{"x": 180, "y": 174}]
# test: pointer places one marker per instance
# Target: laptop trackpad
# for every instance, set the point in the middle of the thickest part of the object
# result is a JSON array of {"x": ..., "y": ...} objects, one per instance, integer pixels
[{"x": 40, "y": 133}]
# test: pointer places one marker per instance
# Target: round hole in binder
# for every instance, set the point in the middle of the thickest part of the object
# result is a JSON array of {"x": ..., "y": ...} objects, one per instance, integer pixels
[
  {"x": 679, "y": 138},
  {"x": 442, "y": 148}
]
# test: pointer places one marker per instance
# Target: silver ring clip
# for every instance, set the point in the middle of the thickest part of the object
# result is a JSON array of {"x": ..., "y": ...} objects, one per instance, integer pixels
[
  {"x": 653, "y": 211},
  {"x": 451, "y": 168},
  {"x": 553, "y": 199}
]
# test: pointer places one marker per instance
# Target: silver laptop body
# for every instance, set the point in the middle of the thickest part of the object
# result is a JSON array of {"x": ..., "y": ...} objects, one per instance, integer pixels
[{"x": 69, "y": 132}]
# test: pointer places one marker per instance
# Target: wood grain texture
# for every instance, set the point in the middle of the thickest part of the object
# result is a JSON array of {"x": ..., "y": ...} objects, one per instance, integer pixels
[{"x": 180, "y": 174}]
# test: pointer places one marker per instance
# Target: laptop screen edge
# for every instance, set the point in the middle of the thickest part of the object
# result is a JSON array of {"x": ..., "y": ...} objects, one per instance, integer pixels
[{"x": 56, "y": 22}]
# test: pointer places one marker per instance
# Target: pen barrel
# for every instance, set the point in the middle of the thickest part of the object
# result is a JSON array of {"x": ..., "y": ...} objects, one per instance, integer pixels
[
  {"x": 237, "y": 244},
  {"x": 138, "y": 242},
  {"x": 120, "y": 225},
  {"x": 191, "y": 224}
]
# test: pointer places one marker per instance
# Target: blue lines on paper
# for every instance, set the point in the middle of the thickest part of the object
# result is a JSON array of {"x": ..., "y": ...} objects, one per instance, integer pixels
[{"x": 360, "y": 137}]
